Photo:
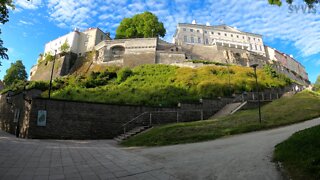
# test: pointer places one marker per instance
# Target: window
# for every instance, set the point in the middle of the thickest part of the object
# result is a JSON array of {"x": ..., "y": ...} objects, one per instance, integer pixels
[
  {"x": 185, "y": 38},
  {"x": 256, "y": 47},
  {"x": 184, "y": 29},
  {"x": 259, "y": 40},
  {"x": 101, "y": 37},
  {"x": 198, "y": 30},
  {"x": 248, "y": 38},
  {"x": 219, "y": 34},
  {"x": 242, "y": 37},
  {"x": 205, "y": 32},
  {"x": 192, "y": 39},
  {"x": 191, "y": 30},
  {"x": 254, "y": 39},
  {"x": 212, "y": 32},
  {"x": 225, "y": 34},
  {"x": 199, "y": 40},
  {"x": 237, "y": 36},
  {"x": 207, "y": 41},
  {"x": 231, "y": 35}
]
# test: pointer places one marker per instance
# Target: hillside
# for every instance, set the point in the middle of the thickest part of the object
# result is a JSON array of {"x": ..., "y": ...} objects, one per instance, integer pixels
[
  {"x": 287, "y": 110},
  {"x": 160, "y": 85}
]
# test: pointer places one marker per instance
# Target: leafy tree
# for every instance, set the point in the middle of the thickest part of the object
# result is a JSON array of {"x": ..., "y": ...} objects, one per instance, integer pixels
[
  {"x": 142, "y": 25},
  {"x": 4, "y": 17},
  {"x": 65, "y": 47},
  {"x": 16, "y": 72},
  {"x": 310, "y": 3},
  {"x": 317, "y": 84}
]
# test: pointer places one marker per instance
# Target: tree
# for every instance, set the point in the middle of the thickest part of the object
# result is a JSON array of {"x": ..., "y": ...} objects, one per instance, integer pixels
[
  {"x": 4, "y": 17},
  {"x": 65, "y": 47},
  {"x": 317, "y": 84},
  {"x": 16, "y": 72},
  {"x": 310, "y": 3},
  {"x": 142, "y": 25}
]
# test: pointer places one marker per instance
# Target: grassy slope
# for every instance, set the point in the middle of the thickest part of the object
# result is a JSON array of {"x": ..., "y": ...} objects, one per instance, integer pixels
[
  {"x": 168, "y": 85},
  {"x": 300, "y": 154},
  {"x": 302, "y": 106}
]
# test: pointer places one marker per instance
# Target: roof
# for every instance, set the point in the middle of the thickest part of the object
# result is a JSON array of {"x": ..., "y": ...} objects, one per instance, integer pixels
[{"x": 219, "y": 27}]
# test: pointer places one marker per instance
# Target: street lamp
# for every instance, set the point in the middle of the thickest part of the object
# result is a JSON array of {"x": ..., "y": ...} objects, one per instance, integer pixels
[
  {"x": 254, "y": 66},
  {"x": 50, "y": 85}
]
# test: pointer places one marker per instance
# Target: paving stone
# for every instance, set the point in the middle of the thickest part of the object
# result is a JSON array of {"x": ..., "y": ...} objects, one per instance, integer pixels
[{"x": 48, "y": 159}]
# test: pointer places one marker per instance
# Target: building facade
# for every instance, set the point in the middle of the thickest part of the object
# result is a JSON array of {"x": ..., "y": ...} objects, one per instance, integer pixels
[
  {"x": 138, "y": 51},
  {"x": 286, "y": 64},
  {"x": 221, "y": 35},
  {"x": 79, "y": 42}
]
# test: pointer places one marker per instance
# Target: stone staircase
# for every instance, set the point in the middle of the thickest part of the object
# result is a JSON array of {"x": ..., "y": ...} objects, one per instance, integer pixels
[
  {"x": 131, "y": 133},
  {"x": 229, "y": 109}
]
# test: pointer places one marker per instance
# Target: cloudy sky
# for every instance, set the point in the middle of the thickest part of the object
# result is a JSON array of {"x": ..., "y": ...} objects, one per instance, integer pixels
[{"x": 294, "y": 29}]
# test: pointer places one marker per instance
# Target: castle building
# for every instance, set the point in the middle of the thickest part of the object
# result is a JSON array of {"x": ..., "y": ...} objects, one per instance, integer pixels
[
  {"x": 221, "y": 35},
  {"x": 286, "y": 64},
  {"x": 222, "y": 44},
  {"x": 79, "y": 42}
]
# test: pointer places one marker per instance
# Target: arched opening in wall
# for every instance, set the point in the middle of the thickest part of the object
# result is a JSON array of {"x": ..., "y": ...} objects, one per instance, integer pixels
[{"x": 117, "y": 52}]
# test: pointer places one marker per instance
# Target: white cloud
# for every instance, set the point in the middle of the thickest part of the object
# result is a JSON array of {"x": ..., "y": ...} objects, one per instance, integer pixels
[
  {"x": 25, "y": 22},
  {"x": 273, "y": 22},
  {"x": 33, "y": 4}
]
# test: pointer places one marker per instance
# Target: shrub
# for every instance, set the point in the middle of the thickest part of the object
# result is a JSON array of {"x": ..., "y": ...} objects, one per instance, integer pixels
[{"x": 123, "y": 74}]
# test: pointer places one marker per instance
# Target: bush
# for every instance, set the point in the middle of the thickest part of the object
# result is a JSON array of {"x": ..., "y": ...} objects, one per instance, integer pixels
[
  {"x": 123, "y": 74},
  {"x": 41, "y": 85},
  {"x": 162, "y": 84}
]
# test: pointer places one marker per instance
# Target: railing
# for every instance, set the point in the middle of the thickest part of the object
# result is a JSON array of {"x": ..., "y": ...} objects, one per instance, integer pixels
[
  {"x": 135, "y": 121},
  {"x": 246, "y": 96}
]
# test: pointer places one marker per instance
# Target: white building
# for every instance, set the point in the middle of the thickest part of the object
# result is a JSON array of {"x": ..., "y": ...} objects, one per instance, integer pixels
[
  {"x": 79, "y": 42},
  {"x": 222, "y": 35}
]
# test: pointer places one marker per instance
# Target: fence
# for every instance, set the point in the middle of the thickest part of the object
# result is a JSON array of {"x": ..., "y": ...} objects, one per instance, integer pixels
[{"x": 151, "y": 118}]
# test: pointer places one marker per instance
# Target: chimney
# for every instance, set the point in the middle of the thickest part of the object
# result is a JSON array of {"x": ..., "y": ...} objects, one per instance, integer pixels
[{"x": 194, "y": 22}]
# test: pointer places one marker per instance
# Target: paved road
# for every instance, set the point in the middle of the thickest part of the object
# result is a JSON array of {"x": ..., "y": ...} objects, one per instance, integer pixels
[
  {"x": 49, "y": 159},
  {"x": 246, "y": 156}
]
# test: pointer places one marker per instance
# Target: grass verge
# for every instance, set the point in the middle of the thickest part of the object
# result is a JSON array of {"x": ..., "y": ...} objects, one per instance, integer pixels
[
  {"x": 300, "y": 107},
  {"x": 300, "y": 154}
]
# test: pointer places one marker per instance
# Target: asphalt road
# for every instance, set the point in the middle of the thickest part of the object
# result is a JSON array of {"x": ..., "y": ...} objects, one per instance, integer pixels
[{"x": 246, "y": 156}]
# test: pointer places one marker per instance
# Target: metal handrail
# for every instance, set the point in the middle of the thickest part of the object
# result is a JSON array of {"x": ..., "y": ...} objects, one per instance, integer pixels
[
  {"x": 134, "y": 119},
  {"x": 150, "y": 120}
]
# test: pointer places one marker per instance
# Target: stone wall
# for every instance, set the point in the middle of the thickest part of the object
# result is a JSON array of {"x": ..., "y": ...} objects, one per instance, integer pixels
[
  {"x": 62, "y": 67},
  {"x": 81, "y": 120}
]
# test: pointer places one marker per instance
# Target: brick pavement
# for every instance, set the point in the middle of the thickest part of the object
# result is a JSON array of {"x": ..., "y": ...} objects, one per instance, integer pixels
[{"x": 72, "y": 159}]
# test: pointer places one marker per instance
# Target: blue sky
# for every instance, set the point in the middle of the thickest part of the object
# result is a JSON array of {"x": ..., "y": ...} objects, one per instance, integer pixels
[{"x": 294, "y": 30}]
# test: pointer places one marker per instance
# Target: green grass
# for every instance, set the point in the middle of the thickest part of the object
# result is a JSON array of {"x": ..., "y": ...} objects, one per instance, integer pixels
[
  {"x": 165, "y": 85},
  {"x": 159, "y": 85},
  {"x": 287, "y": 110},
  {"x": 300, "y": 154}
]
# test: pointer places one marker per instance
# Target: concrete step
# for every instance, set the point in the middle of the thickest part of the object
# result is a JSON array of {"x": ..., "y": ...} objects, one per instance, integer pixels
[
  {"x": 229, "y": 109},
  {"x": 131, "y": 133}
]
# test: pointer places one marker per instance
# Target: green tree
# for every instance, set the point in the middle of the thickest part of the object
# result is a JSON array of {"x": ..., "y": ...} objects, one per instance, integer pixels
[
  {"x": 142, "y": 25},
  {"x": 16, "y": 72},
  {"x": 65, "y": 47},
  {"x": 317, "y": 84},
  {"x": 4, "y": 17},
  {"x": 310, "y": 3}
]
